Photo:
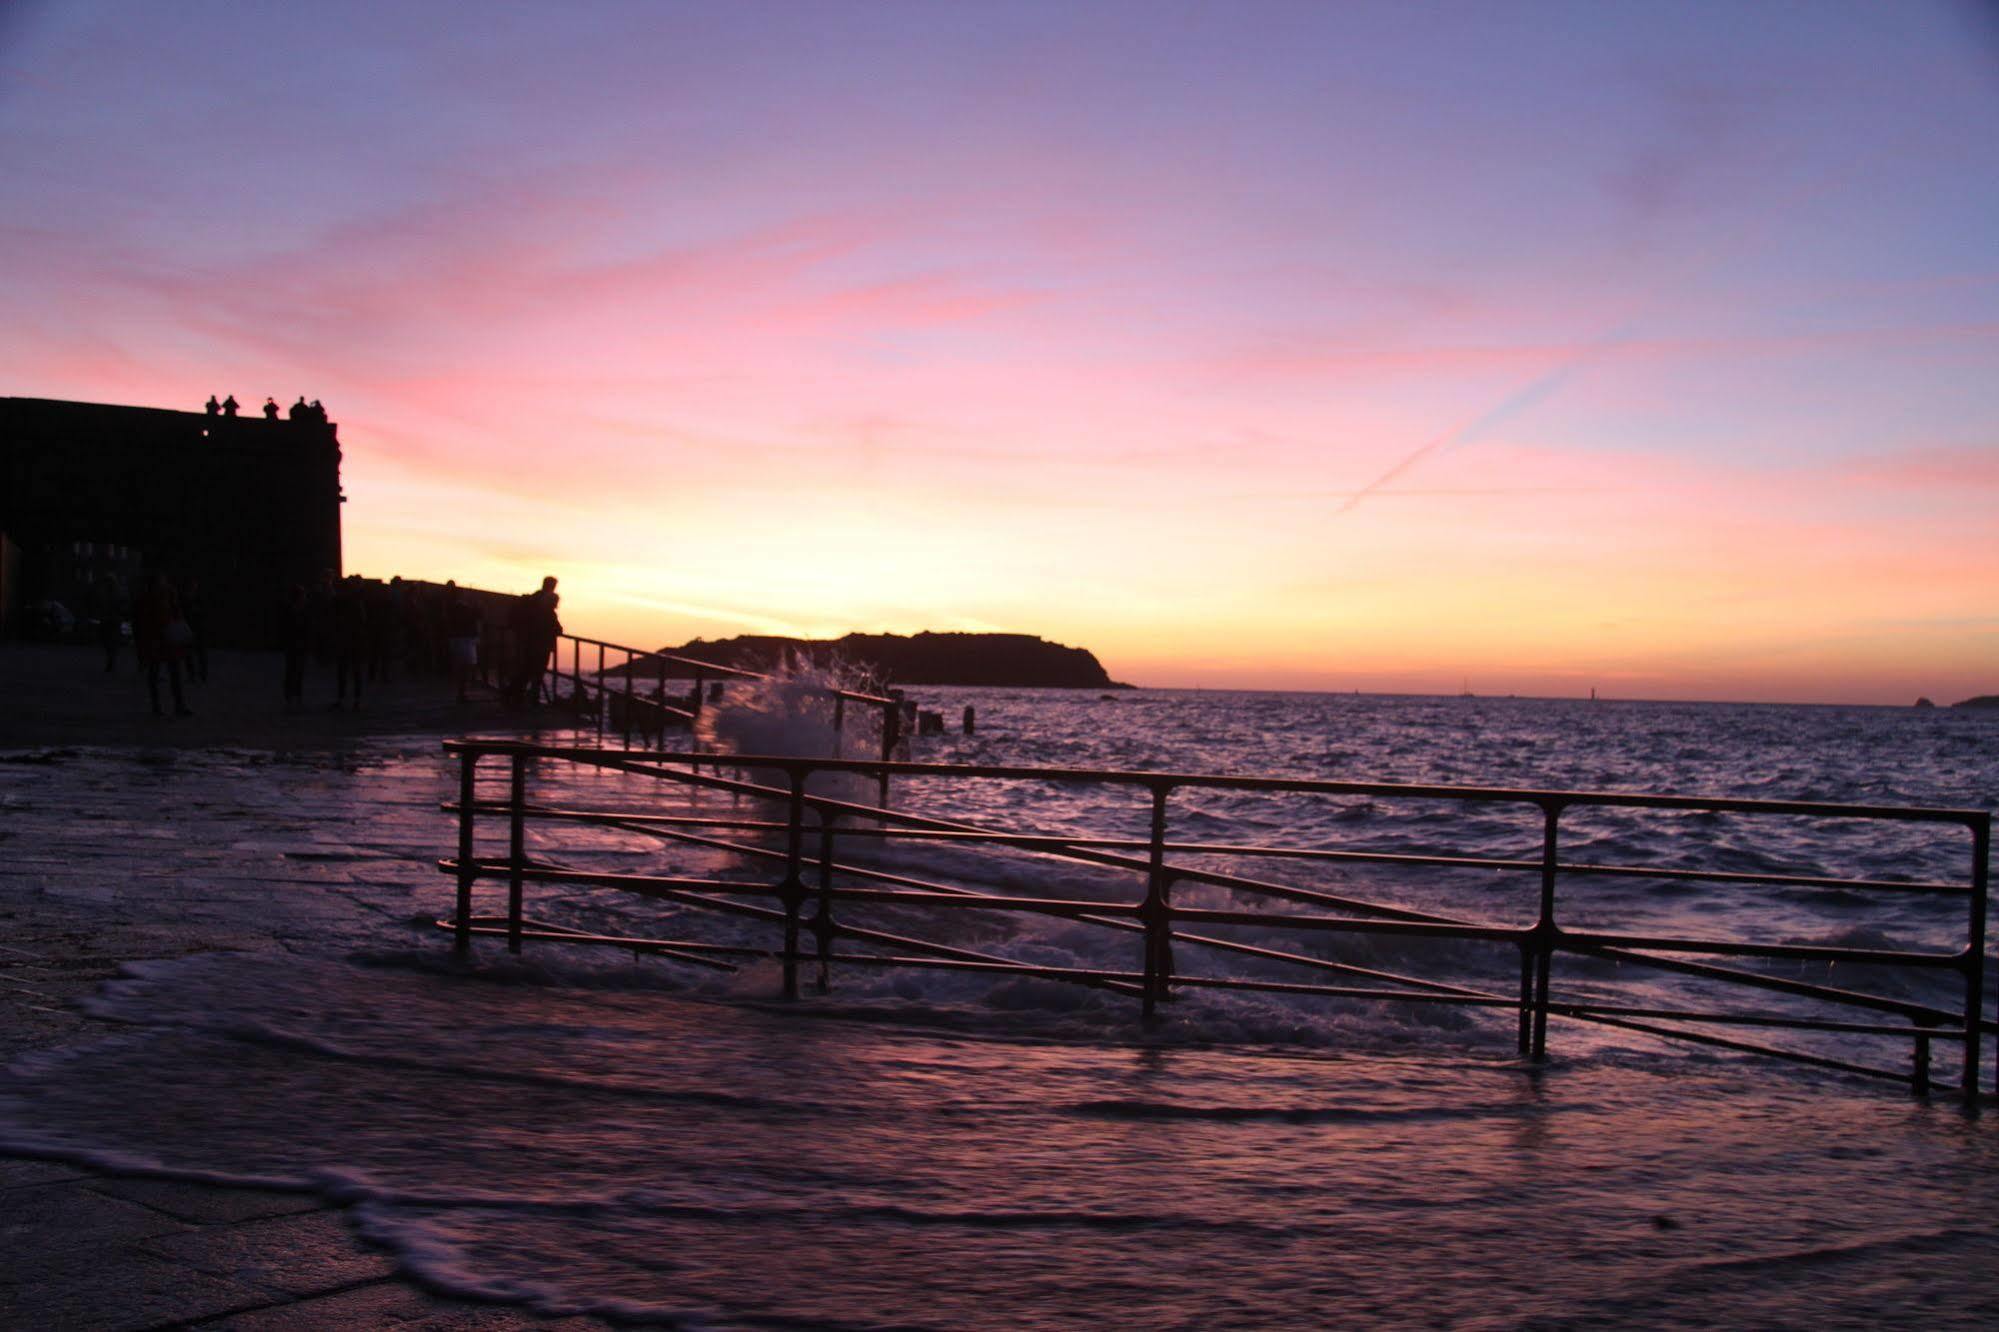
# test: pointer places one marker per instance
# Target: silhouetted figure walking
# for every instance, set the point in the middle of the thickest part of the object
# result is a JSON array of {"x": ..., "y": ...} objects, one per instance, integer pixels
[
  {"x": 350, "y": 640},
  {"x": 318, "y": 412},
  {"x": 461, "y": 624},
  {"x": 299, "y": 411},
  {"x": 295, "y": 632},
  {"x": 270, "y": 409},
  {"x": 214, "y": 408},
  {"x": 159, "y": 636},
  {"x": 229, "y": 405}
]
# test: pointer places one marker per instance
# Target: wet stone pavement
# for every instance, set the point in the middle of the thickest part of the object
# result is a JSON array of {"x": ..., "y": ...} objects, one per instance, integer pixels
[{"x": 115, "y": 855}]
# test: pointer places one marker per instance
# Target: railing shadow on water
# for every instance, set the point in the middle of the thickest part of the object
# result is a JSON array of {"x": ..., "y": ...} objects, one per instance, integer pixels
[{"x": 801, "y": 834}]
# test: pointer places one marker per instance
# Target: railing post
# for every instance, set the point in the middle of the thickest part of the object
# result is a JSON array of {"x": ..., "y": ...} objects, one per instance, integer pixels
[
  {"x": 822, "y": 922},
  {"x": 1974, "y": 955},
  {"x": 516, "y": 850},
  {"x": 468, "y": 789},
  {"x": 603, "y": 702},
  {"x": 1527, "y": 954},
  {"x": 891, "y": 732},
  {"x": 792, "y": 890},
  {"x": 631, "y": 672},
  {"x": 1156, "y": 913},
  {"x": 576, "y": 676},
  {"x": 1544, "y": 927}
]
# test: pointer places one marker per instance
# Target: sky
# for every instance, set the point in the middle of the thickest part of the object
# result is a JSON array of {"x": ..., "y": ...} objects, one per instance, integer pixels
[{"x": 1524, "y": 348}]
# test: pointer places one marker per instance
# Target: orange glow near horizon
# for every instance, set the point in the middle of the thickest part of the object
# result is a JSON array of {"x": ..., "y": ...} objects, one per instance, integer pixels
[{"x": 1240, "y": 366}]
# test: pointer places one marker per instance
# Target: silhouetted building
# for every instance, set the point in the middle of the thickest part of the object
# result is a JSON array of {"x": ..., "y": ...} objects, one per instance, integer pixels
[{"x": 246, "y": 505}]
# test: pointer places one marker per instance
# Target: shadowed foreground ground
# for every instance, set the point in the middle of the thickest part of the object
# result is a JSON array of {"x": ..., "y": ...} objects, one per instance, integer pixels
[{"x": 83, "y": 864}]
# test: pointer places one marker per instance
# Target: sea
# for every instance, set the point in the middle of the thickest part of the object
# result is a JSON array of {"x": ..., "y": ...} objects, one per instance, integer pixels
[{"x": 593, "y": 1130}]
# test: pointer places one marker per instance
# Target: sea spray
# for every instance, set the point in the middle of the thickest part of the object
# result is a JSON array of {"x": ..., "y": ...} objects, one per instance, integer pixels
[{"x": 796, "y": 711}]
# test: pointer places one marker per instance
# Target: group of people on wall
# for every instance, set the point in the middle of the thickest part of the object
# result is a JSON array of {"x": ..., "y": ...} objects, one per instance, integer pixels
[{"x": 300, "y": 410}]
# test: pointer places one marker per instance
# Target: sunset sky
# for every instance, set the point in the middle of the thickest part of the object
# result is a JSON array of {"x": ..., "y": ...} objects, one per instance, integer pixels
[{"x": 1649, "y": 347}]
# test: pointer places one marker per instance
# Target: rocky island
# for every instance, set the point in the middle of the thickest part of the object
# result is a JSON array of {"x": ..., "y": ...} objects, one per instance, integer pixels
[
  {"x": 1013, "y": 660},
  {"x": 1982, "y": 701}
]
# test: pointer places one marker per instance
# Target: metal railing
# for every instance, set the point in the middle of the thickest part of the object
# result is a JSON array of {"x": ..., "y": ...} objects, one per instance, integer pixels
[
  {"x": 595, "y": 696},
  {"x": 1163, "y": 926}
]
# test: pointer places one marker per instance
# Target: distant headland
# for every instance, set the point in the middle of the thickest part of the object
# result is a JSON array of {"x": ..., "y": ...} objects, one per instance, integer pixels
[
  {"x": 1982, "y": 701},
  {"x": 1010, "y": 660}
]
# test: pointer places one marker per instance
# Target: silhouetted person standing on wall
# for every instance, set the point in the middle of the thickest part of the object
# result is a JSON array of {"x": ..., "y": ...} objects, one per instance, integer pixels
[
  {"x": 461, "y": 626},
  {"x": 270, "y": 409},
  {"x": 159, "y": 635},
  {"x": 350, "y": 639},
  {"x": 317, "y": 413},
  {"x": 295, "y": 634},
  {"x": 229, "y": 405},
  {"x": 297, "y": 411},
  {"x": 214, "y": 408}
]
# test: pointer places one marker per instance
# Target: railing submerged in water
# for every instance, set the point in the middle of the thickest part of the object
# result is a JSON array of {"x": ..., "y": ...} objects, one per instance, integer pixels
[{"x": 1162, "y": 925}]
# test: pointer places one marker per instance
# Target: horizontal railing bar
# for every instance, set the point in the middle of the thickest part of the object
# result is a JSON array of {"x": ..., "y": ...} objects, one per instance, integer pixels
[
  {"x": 1344, "y": 991},
  {"x": 695, "y": 898},
  {"x": 682, "y": 950},
  {"x": 1573, "y": 1009},
  {"x": 1612, "y": 953},
  {"x": 1038, "y": 841},
  {"x": 1352, "y": 925},
  {"x": 976, "y": 901},
  {"x": 1454, "y": 929},
  {"x": 1296, "y": 785},
  {"x": 1604, "y": 944},
  {"x": 1181, "y": 873},
  {"x": 1029, "y": 841},
  {"x": 1327, "y": 964},
  {"x": 1758, "y": 980},
  {"x": 1770, "y": 880},
  {"x": 1054, "y": 906},
  {"x": 1751, "y": 1047},
  {"x": 1734, "y": 948},
  {"x": 1093, "y": 916},
  {"x": 1206, "y": 941},
  {"x": 541, "y": 873},
  {"x": 559, "y": 815},
  {"x": 1085, "y": 975},
  {"x": 1570, "y": 1008}
]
